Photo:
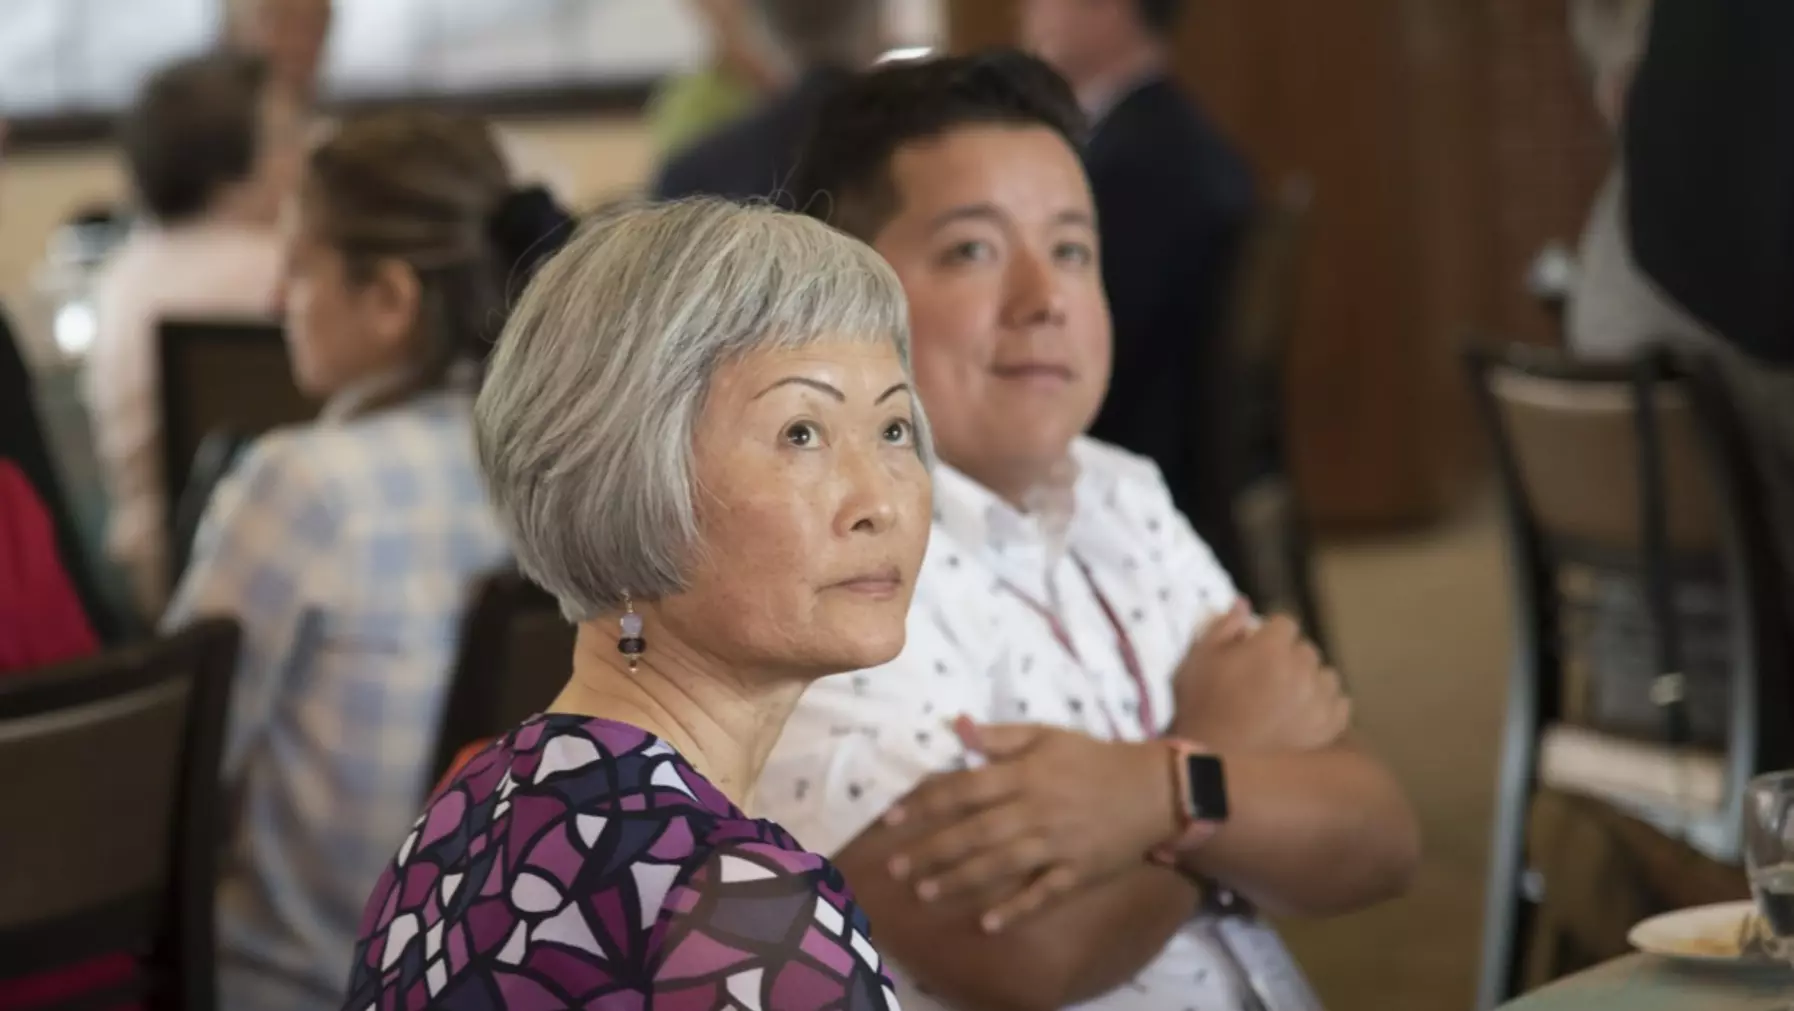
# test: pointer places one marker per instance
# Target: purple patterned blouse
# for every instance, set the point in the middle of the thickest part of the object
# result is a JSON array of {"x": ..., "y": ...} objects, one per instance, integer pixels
[{"x": 582, "y": 863}]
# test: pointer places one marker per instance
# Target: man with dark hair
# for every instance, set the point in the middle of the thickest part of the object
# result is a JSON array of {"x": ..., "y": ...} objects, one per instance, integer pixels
[
  {"x": 1173, "y": 200},
  {"x": 213, "y": 149},
  {"x": 194, "y": 138},
  {"x": 826, "y": 40},
  {"x": 1088, "y": 650}
]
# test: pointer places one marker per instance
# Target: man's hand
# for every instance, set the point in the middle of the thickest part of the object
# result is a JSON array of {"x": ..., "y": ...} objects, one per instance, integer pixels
[
  {"x": 1053, "y": 811},
  {"x": 1243, "y": 689}
]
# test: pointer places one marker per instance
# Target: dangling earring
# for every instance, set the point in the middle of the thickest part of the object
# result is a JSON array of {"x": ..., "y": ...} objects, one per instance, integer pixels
[{"x": 631, "y": 645}]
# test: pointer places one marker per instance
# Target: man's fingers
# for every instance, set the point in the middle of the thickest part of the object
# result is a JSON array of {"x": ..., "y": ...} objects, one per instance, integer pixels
[
  {"x": 1233, "y": 624},
  {"x": 955, "y": 795},
  {"x": 1056, "y": 883},
  {"x": 1017, "y": 860},
  {"x": 1280, "y": 630},
  {"x": 1007, "y": 740}
]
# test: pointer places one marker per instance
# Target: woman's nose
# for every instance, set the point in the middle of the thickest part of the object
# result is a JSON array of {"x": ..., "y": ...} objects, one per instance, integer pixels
[{"x": 870, "y": 505}]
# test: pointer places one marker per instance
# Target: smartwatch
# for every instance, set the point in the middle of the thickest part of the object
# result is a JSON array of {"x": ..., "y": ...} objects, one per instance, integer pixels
[{"x": 1201, "y": 785}]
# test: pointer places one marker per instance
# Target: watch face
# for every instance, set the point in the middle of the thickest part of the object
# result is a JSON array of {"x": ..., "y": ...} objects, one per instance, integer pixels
[{"x": 1208, "y": 788}]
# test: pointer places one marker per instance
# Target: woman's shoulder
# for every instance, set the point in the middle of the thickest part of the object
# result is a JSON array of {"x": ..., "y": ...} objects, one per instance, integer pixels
[
  {"x": 782, "y": 919},
  {"x": 367, "y": 456},
  {"x": 573, "y": 847}
]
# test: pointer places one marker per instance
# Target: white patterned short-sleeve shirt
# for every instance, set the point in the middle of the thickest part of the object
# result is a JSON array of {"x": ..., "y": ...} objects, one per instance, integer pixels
[{"x": 982, "y": 642}]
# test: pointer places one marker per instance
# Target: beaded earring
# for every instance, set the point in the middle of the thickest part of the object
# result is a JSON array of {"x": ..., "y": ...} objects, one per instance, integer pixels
[{"x": 631, "y": 645}]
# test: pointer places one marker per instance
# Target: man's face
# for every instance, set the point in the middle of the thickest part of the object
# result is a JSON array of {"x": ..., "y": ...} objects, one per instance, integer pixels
[
  {"x": 1072, "y": 35},
  {"x": 995, "y": 242}
]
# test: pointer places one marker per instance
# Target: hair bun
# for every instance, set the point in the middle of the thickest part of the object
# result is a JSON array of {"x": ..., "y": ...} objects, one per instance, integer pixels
[{"x": 527, "y": 228}]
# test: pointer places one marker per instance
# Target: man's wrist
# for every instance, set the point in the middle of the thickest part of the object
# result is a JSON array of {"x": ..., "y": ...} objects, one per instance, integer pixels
[{"x": 1198, "y": 807}]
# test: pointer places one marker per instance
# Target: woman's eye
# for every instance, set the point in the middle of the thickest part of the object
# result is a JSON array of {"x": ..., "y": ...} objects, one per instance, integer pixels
[
  {"x": 803, "y": 434},
  {"x": 900, "y": 432}
]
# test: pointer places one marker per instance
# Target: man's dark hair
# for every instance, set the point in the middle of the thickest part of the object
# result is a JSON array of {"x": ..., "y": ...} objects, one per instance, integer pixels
[
  {"x": 844, "y": 171},
  {"x": 1160, "y": 15},
  {"x": 195, "y": 128}
]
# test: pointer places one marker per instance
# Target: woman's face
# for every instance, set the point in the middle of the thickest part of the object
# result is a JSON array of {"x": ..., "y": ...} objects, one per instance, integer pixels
[
  {"x": 340, "y": 329},
  {"x": 813, "y": 510}
]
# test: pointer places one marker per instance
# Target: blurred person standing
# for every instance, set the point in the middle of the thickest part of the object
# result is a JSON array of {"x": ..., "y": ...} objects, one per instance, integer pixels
[
  {"x": 1614, "y": 310},
  {"x": 211, "y": 149},
  {"x": 294, "y": 37},
  {"x": 1173, "y": 201},
  {"x": 826, "y": 41},
  {"x": 745, "y": 68},
  {"x": 1709, "y": 167},
  {"x": 290, "y": 35},
  {"x": 346, "y": 549}
]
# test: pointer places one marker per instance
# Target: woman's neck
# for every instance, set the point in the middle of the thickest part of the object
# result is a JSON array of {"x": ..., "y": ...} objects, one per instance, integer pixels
[{"x": 723, "y": 721}]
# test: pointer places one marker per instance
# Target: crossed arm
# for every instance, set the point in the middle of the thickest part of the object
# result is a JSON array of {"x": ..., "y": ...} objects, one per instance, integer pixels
[{"x": 1315, "y": 833}]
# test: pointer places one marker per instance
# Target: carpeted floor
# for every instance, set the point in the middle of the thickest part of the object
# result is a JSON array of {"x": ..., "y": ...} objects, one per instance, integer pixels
[{"x": 1420, "y": 625}]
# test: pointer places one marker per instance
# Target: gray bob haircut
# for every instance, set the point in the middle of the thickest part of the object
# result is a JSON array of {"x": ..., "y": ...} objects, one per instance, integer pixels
[{"x": 586, "y": 418}]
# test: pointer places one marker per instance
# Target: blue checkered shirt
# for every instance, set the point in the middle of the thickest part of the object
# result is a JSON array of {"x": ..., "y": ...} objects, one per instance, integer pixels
[{"x": 348, "y": 552}]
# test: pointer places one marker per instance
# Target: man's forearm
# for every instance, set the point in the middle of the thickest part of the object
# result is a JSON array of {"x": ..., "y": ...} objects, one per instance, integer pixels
[
  {"x": 1081, "y": 948},
  {"x": 1311, "y": 833}
]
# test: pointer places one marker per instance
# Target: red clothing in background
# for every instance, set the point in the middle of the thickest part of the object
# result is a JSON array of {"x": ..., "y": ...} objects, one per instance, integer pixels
[{"x": 41, "y": 620}]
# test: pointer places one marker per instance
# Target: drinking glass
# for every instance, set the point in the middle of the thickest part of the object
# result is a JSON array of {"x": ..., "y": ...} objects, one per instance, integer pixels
[{"x": 1769, "y": 853}]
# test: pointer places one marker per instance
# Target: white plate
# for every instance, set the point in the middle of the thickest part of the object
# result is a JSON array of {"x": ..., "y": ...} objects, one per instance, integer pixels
[{"x": 1687, "y": 934}]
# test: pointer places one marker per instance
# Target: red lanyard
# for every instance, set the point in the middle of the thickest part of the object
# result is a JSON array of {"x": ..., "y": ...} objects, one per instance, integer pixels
[{"x": 1124, "y": 643}]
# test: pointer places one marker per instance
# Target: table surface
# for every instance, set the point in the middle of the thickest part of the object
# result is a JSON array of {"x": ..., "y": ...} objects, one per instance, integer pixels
[{"x": 1649, "y": 983}]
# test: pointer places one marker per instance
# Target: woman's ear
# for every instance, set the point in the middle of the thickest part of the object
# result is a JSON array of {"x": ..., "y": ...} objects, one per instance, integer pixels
[{"x": 393, "y": 299}]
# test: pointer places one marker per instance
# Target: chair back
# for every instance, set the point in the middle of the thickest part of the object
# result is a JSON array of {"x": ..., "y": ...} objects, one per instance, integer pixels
[
  {"x": 515, "y": 657},
  {"x": 1647, "y": 629},
  {"x": 222, "y": 375},
  {"x": 217, "y": 454},
  {"x": 113, "y": 814},
  {"x": 1261, "y": 320}
]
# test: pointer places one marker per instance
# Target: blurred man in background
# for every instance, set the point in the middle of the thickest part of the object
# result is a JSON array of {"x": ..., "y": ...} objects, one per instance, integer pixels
[
  {"x": 826, "y": 41},
  {"x": 212, "y": 149},
  {"x": 744, "y": 68},
  {"x": 290, "y": 35},
  {"x": 1614, "y": 311},
  {"x": 1709, "y": 165},
  {"x": 1173, "y": 199}
]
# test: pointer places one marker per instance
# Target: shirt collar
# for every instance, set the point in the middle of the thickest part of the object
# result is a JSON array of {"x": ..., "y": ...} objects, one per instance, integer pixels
[{"x": 973, "y": 515}]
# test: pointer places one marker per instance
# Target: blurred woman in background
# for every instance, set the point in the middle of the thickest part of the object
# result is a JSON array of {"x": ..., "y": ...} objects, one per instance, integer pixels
[
  {"x": 346, "y": 549},
  {"x": 212, "y": 153}
]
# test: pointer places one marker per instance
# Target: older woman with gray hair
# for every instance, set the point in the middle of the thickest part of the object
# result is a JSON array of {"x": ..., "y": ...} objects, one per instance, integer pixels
[{"x": 699, "y": 430}]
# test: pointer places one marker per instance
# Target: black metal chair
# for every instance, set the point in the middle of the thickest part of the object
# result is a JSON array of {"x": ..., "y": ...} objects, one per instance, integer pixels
[
  {"x": 113, "y": 811},
  {"x": 1261, "y": 324},
  {"x": 221, "y": 375},
  {"x": 1631, "y": 503},
  {"x": 218, "y": 453},
  {"x": 516, "y": 654}
]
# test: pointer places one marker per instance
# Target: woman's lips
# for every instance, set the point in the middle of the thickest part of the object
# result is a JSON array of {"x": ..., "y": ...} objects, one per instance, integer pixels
[{"x": 880, "y": 585}]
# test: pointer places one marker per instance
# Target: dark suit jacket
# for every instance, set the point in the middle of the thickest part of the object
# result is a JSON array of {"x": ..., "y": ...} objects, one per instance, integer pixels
[
  {"x": 1173, "y": 200},
  {"x": 1709, "y": 152},
  {"x": 754, "y": 156}
]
